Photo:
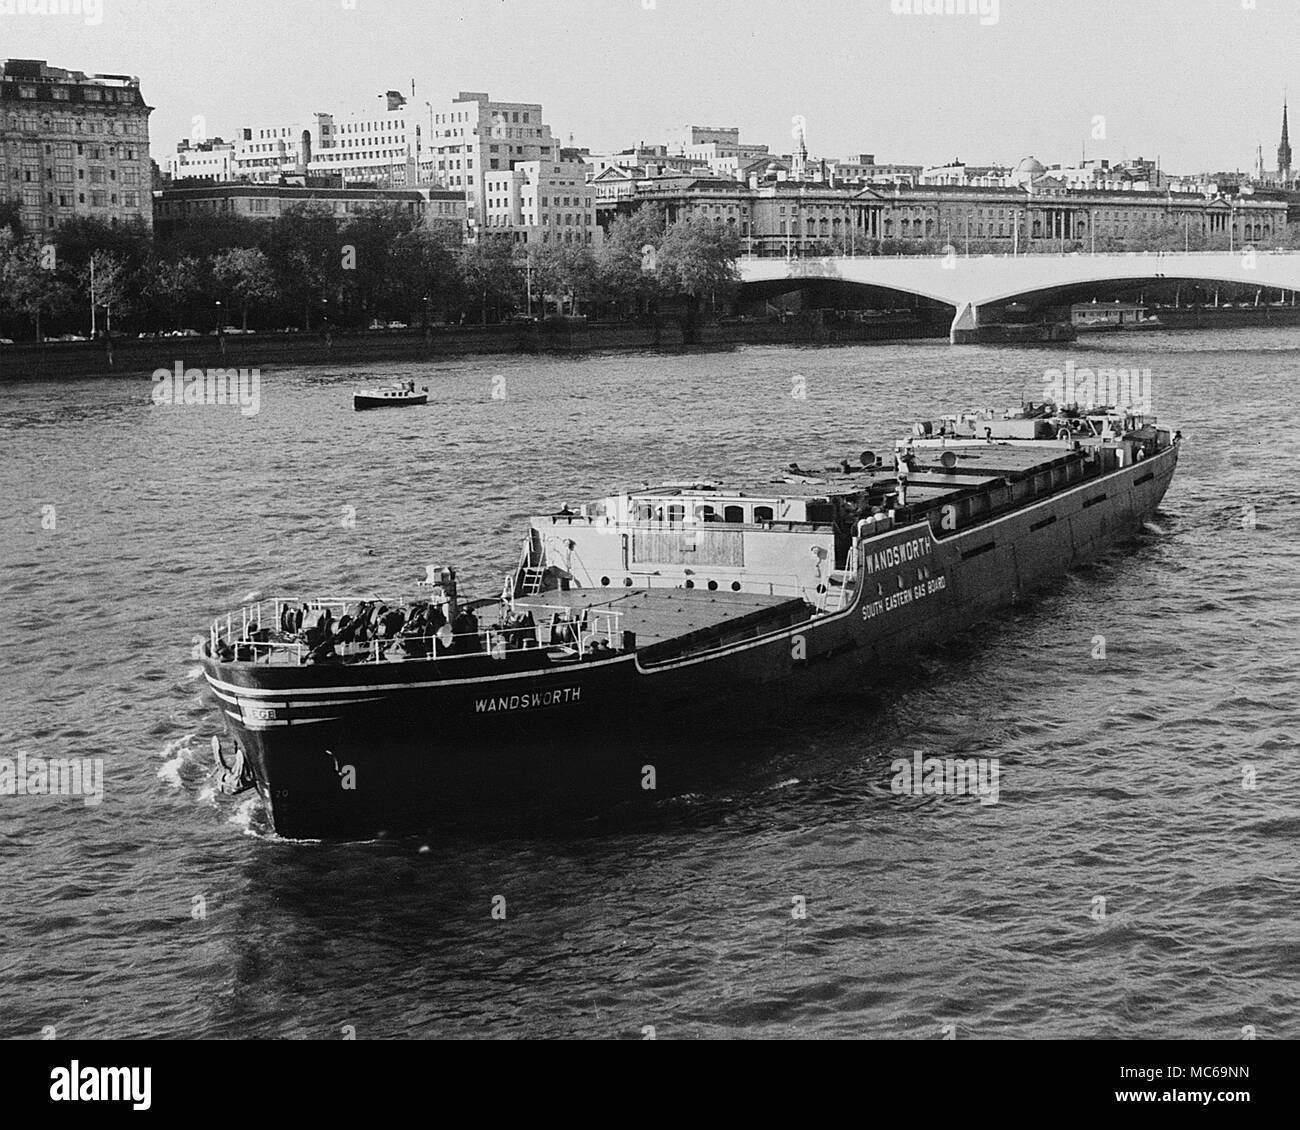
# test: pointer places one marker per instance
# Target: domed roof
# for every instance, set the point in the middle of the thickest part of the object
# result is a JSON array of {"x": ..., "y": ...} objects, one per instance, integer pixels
[{"x": 1028, "y": 170}]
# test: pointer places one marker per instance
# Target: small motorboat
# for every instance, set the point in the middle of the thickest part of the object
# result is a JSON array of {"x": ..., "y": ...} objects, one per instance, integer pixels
[{"x": 393, "y": 396}]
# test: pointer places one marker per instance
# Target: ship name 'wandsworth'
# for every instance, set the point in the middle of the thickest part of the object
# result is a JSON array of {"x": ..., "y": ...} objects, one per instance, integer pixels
[
  {"x": 897, "y": 555},
  {"x": 529, "y": 701}
]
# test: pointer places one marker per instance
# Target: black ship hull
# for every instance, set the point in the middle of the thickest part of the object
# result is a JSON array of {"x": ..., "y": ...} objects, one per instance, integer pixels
[{"x": 342, "y": 751}]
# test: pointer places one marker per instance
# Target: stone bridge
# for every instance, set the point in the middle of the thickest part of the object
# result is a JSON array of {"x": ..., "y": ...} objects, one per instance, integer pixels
[{"x": 969, "y": 282}]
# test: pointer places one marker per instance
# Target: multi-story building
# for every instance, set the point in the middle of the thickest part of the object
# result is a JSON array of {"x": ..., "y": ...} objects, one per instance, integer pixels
[
  {"x": 477, "y": 136},
  {"x": 541, "y": 203},
  {"x": 202, "y": 160},
  {"x": 863, "y": 169},
  {"x": 959, "y": 173},
  {"x": 720, "y": 148},
  {"x": 266, "y": 153},
  {"x": 176, "y": 207},
  {"x": 73, "y": 144},
  {"x": 379, "y": 147},
  {"x": 1063, "y": 219},
  {"x": 644, "y": 156}
]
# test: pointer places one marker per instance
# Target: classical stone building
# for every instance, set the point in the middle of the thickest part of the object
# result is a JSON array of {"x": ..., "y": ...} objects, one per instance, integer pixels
[
  {"x": 787, "y": 217},
  {"x": 73, "y": 144}
]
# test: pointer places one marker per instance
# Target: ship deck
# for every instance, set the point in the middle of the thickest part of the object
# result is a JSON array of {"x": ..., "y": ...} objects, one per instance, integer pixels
[{"x": 672, "y": 616}]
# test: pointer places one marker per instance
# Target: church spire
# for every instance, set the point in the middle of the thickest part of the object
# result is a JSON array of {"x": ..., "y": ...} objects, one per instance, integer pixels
[{"x": 1284, "y": 150}]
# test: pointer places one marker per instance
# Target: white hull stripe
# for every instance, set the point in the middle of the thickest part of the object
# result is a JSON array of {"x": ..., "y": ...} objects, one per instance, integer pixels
[{"x": 369, "y": 688}]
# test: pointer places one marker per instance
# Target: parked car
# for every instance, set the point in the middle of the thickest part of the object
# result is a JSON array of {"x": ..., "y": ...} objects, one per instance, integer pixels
[
  {"x": 396, "y": 326},
  {"x": 6, "y": 341},
  {"x": 182, "y": 333}
]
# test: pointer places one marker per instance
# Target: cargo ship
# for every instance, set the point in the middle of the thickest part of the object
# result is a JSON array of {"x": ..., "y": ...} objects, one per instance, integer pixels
[{"x": 689, "y": 607}]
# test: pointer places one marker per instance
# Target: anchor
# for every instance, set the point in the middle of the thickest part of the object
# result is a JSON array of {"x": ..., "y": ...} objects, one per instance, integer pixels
[{"x": 233, "y": 774}]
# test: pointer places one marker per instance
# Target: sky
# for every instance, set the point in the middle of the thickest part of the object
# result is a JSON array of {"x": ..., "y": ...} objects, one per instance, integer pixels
[{"x": 1195, "y": 83}]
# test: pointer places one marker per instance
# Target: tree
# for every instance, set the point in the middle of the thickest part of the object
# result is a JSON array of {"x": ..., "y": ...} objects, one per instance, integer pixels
[
  {"x": 625, "y": 269},
  {"x": 171, "y": 285},
  {"x": 305, "y": 252},
  {"x": 106, "y": 282},
  {"x": 426, "y": 269},
  {"x": 244, "y": 274},
  {"x": 372, "y": 235},
  {"x": 567, "y": 272},
  {"x": 11, "y": 218},
  {"x": 30, "y": 284},
  {"x": 698, "y": 258},
  {"x": 81, "y": 236},
  {"x": 490, "y": 272}
]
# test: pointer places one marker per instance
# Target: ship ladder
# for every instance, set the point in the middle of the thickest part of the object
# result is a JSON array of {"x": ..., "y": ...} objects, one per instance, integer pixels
[
  {"x": 533, "y": 577},
  {"x": 839, "y": 591}
]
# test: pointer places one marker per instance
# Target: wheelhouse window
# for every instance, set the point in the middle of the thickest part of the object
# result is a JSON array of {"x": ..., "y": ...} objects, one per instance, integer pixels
[
  {"x": 763, "y": 514},
  {"x": 734, "y": 514}
]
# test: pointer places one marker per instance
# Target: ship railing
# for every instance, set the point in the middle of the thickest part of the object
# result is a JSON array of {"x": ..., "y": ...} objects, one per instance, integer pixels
[
  {"x": 601, "y": 624},
  {"x": 577, "y": 634},
  {"x": 254, "y": 617}
]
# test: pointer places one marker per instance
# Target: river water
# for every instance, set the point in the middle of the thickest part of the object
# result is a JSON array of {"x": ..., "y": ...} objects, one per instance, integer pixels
[{"x": 1128, "y": 883}]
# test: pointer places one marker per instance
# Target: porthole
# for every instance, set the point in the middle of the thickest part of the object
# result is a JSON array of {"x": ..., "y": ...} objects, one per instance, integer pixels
[
  {"x": 735, "y": 586},
  {"x": 627, "y": 581},
  {"x": 713, "y": 586},
  {"x": 604, "y": 582},
  {"x": 690, "y": 584}
]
